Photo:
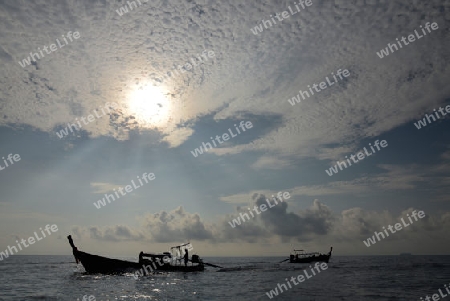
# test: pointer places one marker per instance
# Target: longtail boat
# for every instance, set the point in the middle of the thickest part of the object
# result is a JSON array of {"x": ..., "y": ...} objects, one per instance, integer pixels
[
  {"x": 300, "y": 256},
  {"x": 157, "y": 262}
]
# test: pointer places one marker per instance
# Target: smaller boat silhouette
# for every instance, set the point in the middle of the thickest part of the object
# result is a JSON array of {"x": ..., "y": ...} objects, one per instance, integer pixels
[{"x": 301, "y": 256}]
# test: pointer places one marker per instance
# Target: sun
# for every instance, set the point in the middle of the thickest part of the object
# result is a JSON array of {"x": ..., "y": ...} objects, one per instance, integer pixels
[{"x": 149, "y": 105}]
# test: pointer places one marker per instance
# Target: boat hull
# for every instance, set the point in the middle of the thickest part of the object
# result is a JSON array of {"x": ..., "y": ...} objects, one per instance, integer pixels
[
  {"x": 181, "y": 268},
  {"x": 321, "y": 258},
  {"x": 101, "y": 265},
  {"x": 95, "y": 264}
]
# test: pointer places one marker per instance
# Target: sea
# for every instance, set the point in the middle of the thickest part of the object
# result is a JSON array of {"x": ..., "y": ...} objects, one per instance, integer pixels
[{"x": 241, "y": 278}]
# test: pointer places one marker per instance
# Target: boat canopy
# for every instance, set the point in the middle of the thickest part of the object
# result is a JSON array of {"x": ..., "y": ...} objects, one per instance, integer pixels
[
  {"x": 186, "y": 246},
  {"x": 180, "y": 246},
  {"x": 303, "y": 252}
]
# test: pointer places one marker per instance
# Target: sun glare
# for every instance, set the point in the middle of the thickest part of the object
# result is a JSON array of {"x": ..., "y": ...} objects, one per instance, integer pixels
[{"x": 149, "y": 105}]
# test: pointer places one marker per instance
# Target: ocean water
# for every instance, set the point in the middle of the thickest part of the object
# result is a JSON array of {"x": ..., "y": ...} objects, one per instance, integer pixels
[{"x": 347, "y": 278}]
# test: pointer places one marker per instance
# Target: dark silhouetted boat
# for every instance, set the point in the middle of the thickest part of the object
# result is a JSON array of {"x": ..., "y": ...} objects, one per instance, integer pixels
[
  {"x": 301, "y": 256},
  {"x": 157, "y": 262}
]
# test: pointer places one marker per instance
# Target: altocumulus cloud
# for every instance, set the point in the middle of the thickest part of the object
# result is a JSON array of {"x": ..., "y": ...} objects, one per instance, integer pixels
[{"x": 100, "y": 76}]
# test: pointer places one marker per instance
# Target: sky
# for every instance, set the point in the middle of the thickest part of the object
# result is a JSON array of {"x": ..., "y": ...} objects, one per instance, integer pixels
[{"x": 152, "y": 102}]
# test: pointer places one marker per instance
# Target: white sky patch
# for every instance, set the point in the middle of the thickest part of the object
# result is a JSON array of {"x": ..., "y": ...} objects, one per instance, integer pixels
[
  {"x": 101, "y": 188},
  {"x": 178, "y": 136},
  {"x": 246, "y": 198},
  {"x": 269, "y": 162}
]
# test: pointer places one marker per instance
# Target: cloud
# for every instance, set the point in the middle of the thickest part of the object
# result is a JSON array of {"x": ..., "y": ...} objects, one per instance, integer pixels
[
  {"x": 325, "y": 126},
  {"x": 246, "y": 198},
  {"x": 175, "y": 226},
  {"x": 391, "y": 177},
  {"x": 118, "y": 233},
  {"x": 304, "y": 225},
  {"x": 101, "y": 188},
  {"x": 178, "y": 136},
  {"x": 357, "y": 224},
  {"x": 315, "y": 223},
  {"x": 269, "y": 162}
]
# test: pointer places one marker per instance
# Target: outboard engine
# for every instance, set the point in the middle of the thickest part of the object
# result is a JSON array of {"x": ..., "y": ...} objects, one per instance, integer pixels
[
  {"x": 196, "y": 259},
  {"x": 291, "y": 258}
]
